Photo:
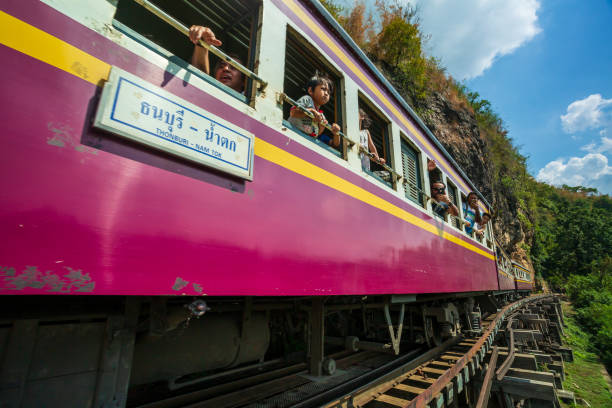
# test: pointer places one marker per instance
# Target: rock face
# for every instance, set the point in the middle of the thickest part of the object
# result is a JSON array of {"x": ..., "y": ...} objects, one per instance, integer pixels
[{"x": 455, "y": 126}]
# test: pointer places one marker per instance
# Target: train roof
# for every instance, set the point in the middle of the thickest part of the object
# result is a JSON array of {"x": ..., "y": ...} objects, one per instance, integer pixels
[{"x": 316, "y": 4}]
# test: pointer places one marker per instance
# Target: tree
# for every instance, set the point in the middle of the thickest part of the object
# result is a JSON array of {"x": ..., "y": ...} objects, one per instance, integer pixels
[{"x": 334, "y": 8}]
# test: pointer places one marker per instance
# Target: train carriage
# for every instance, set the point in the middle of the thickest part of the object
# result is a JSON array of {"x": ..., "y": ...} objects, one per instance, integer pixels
[
  {"x": 160, "y": 195},
  {"x": 524, "y": 278},
  {"x": 505, "y": 270}
]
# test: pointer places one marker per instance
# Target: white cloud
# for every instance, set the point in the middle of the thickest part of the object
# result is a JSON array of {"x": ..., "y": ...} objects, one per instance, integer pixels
[
  {"x": 604, "y": 147},
  {"x": 469, "y": 35},
  {"x": 592, "y": 112},
  {"x": 591, "y": 170}
]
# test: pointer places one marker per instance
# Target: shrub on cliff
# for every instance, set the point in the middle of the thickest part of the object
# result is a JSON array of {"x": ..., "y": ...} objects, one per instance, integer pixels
[{"x": 395, "y": 43}]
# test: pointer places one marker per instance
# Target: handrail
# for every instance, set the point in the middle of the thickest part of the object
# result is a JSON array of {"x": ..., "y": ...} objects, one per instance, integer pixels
[
  {"x": 284, "y": 97},
  {"x": 184, "y": 30},
  {"x": 395, "y": 175}
]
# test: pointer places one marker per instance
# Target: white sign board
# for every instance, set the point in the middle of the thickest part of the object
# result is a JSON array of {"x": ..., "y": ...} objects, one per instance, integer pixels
[{"x": 134, "y": 108}]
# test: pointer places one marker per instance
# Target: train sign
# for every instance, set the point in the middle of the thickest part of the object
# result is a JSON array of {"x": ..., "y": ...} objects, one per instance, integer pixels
[{"x": 134, "y": 108}]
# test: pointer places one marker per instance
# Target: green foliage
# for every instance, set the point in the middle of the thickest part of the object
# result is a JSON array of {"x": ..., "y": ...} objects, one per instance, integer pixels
[
  {"x": 592, "y": 298},
  {"x": 574, "y": 232},
  {"x": 399, "y": 44},
  {"x": 583, "y": 375},
  {"x": 334, "y": 8},
  {"x": 572, "y": 242},
  {"x": 395, "y": 43},
  {"x": 568, "y": 229}
]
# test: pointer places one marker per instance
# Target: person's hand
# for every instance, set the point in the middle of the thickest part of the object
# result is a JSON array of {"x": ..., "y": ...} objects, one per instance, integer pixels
[
  {"x": 443, "y": 198},
  {"x": 431, "y": 165},
  {"x": 205, "y": 34},
  {"x": 335, "y": 128},
  {"x": 316, "y": 115}
]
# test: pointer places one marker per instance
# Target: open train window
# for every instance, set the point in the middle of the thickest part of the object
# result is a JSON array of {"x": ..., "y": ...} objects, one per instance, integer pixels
[
  {"x": 379, "y": 132},
  {"x": 302, "y": 62},
  {"x": 411, "y": 170},
  {"x": 435, "y": 176},
  {"x": 464, "y": 202},
  {"x": 454, "y": 198},
  {"x": 234, "y": 22},
  {"x": 489, "y": 234}
]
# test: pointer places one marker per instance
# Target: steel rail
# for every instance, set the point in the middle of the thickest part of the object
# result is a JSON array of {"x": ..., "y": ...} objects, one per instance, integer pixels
[
  {"x": 184, "y": 30},
  {"x": 476, "y": 352},
  {"x": 320, "y": 399},
  {"x": 503, "y": 369},
  {"x": 445, "y": 378},
  {"x": 485, "y": 391},
  {"x": 373, "y": 386}
]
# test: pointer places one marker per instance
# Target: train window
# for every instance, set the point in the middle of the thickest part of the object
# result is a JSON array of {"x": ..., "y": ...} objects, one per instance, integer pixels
[
  {"x": 464, "y": 202},
  {"x": 232, "y": 21},
  {"x": 489, "y": 234},
  {"x": 302, "y": 62},
  {"x": 434, "y": 175},
  {"x": 452, "y": 196},
  {"x": 411, "y": 170},
  {"x": 379, "y": 131}
]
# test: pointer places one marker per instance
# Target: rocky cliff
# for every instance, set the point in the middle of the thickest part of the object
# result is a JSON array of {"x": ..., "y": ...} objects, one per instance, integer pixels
[{"x": 454, "y": 124}]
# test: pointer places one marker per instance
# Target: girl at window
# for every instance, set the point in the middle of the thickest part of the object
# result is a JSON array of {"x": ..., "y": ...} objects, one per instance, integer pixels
[{"x": 365, "y": 141}]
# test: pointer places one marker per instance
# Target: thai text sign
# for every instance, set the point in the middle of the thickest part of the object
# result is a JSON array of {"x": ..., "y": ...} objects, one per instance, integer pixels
[{"x": 138, "y": 110}]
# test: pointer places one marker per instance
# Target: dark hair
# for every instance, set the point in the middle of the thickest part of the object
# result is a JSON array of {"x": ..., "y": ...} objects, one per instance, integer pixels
[
  {"x": 486, "y": 214},
  {"x": 366, "y": 122},
  {"x": 319, "y": 79}
]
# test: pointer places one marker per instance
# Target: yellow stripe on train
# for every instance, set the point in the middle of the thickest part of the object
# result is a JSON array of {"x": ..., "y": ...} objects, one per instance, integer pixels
[{"x": 42, "y": 46}]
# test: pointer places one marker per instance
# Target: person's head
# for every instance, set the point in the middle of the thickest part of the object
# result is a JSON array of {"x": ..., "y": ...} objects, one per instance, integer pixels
[
  {"x": 486, "y": 217},
  {"x": 438, "y": 188},
  {"x": 364, "y": 120},
  {"x": 320, "y": 89},
  {"x": 472, "y": 198},
  {"x": 228, "y": 75}
]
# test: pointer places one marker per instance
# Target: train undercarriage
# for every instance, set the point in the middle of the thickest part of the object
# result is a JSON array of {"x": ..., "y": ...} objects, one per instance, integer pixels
[{"x": 117, "y": 351}]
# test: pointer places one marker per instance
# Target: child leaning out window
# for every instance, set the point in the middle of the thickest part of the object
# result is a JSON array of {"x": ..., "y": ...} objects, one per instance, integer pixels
[{"x": 319, "y": 91}]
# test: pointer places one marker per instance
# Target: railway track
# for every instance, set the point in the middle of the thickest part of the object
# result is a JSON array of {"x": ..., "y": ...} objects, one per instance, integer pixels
[{"x": 433, "y": 378}]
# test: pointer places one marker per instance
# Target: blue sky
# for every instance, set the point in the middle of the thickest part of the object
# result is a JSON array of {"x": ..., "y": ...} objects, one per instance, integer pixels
[{"x": 546, "y": 67}]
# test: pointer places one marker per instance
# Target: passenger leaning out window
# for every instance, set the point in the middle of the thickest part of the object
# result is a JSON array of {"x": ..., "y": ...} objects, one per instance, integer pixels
[
  {"x": 471, "y": 213},
  {"x": 481, "y": 226},
  {"x": 442, "y": 204},
  {"x": 319, "y": 90},
  {"x": 223, "y": 72}
]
